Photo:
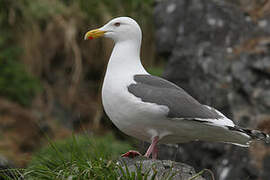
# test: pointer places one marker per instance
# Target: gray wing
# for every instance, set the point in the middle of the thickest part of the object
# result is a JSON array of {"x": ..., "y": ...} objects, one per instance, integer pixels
[{"x": 160, "y": 91}]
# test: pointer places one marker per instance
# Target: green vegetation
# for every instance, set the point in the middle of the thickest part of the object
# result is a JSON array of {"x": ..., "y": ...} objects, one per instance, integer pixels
[
  {"x": 21, "y": 18},
  {"x": 16, "y": 83},
  {"x": 78, "y": 158},
  {"x": 156, "y": 71}
]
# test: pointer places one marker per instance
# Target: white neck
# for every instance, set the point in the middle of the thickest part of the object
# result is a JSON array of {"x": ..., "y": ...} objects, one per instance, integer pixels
[{"x": 125, "y": 59}]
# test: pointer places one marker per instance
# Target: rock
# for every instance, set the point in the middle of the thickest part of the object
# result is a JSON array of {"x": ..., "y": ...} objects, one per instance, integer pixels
[
  {"x": 162, "y": 168},
  {"x": 4, "y": 165},
  {"x": 220, "y": 55},
  {"x": 215, "y": 49},
  {"x": 266, "y": 166}
]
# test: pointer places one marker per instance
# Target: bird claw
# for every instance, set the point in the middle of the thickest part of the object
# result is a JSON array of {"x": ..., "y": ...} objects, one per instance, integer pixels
[{"x": 131, "y": 154}]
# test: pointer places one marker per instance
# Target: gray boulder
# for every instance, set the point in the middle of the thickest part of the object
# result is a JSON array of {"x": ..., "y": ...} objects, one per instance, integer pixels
[{"x": 160, "y": 169}]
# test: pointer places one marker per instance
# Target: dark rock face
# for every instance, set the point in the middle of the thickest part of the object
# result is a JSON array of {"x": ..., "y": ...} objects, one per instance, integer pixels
[
  {"x": 266, "y": 166},
  {"x": 164, "y": 169},
  {"x": 221, "y": 57}
]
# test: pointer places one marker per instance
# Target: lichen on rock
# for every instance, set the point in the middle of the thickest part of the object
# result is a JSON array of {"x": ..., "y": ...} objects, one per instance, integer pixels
[{"x": 161, "y": 169}]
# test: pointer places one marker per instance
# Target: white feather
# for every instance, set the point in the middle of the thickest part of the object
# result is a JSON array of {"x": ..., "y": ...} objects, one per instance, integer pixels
[{"x": 145, "y": 120}]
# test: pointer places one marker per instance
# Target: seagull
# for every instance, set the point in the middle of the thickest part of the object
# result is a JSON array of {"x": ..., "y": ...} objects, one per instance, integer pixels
[{"x": 151, "y": 108}]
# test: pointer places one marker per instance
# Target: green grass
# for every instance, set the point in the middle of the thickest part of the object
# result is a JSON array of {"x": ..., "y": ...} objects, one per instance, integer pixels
[
  {"x": 83, "y": 157},
  {"x": 80, "y": 157}
]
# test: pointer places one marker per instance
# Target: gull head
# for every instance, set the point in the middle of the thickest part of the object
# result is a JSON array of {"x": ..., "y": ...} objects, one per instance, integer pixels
[{"x": 118, "y": 29}]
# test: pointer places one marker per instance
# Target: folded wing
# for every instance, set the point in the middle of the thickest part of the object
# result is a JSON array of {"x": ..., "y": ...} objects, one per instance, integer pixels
[{"x": 181, "y": 105}]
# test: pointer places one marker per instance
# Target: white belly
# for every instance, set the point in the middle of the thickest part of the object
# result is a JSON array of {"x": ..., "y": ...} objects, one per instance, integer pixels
[{"x": 130, "y": 114}]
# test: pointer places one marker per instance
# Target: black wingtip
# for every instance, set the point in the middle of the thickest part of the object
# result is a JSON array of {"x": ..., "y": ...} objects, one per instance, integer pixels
[
  {"x": 254, "y": 134},
  {"x": 260, "y": 136}
]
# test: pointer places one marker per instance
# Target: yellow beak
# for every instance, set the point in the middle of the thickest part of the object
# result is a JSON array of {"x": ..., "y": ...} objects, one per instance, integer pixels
[{"x": 96, "y": 33}]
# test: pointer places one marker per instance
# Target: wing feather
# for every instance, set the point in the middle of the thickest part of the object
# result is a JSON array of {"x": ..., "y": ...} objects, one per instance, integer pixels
[{"x": 181, "y": 105}]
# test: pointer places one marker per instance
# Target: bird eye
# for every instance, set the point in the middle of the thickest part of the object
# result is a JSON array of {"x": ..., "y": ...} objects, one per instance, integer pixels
[{"x": 117, "y": 24}]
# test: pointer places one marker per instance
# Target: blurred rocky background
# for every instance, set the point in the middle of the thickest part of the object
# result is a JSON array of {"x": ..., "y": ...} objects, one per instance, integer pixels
[
  {"x": 50, "y": 79},
  {"x": 218, "y": 51}
]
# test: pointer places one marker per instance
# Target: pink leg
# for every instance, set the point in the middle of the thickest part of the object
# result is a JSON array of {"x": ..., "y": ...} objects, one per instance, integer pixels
[
  {"x": 152, "y": 148},
  {"x": 155, "y": 153}
]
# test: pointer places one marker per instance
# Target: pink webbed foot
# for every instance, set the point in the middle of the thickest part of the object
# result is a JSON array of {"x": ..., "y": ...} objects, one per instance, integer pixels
[{"x": 131, "y": 154}]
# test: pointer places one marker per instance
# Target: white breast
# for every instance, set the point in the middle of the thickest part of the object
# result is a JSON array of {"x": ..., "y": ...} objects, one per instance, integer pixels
[
  {"x": 127, "y": 112},
  {"x": 131, "y": 115}
]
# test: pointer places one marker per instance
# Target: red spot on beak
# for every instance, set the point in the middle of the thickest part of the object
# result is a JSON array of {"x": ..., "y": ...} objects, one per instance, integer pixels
[{"x": 90, "y": 37}]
